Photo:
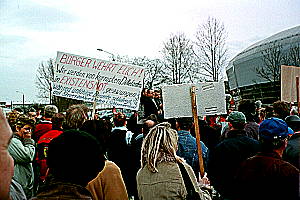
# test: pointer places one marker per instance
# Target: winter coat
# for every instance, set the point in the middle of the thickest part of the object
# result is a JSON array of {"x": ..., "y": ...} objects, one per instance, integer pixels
[
  {"x": 225, "y": 158},
  {"x": 187, "y": 149},
  {"x": 292, "y": 151},
  {"x": 109, "y": 184},
  {"x": 23, "y": 152},
  {"x": 53, "y": 189},
  {"x": 267, "y": 176},
  {"x": 167, "y": 183}
]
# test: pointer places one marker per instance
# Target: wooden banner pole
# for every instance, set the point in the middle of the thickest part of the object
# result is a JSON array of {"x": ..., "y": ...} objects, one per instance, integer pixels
[
  {"x": 298, "y": 97},
  {"x": 95, "y": 101},
  {"x": 197, "y": 130}
]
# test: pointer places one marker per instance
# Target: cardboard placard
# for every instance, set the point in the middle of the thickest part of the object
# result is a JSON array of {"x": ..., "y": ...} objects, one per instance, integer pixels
[{"x": 210, "y": 97}]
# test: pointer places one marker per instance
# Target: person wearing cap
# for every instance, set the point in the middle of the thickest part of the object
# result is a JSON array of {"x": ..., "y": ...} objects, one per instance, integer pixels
[
  {"x": 292, "y": 151},
  {"x": 225, "y": 158},
  {"x": 266, "y": 175},
  {"x": 22, "y": 150}
]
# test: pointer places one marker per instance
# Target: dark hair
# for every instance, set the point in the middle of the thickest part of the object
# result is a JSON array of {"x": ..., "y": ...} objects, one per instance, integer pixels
[
  {"x": 185, "y": 123},
  {"x": 237, "y": 125},
  {"x": 57, "y": 121},
  {"x": 281, "y": 109},
  {"x": 119, "y": 119},
  {"x": 100, "y": 129},
  {"x": 75, "y": 157},
  {"x": 247, "y": 107}
]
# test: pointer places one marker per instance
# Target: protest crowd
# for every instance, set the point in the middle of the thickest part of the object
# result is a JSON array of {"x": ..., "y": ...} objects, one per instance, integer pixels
[{"x": 252, "y": 152}]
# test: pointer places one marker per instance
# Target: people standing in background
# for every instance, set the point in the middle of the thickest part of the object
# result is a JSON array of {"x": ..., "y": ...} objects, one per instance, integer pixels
[
  {"x": 45, "y": 124},
  {"x": 266, "y": 175},
  {"x": 109, "y": 183},
  {"x": 76, "y": 115},
  {"x": 43, "y": 143},
  {"x": 225, "y": 158},
  {"x": 187, "y": 145},
  {"x": 292, "y": 151},
  {"x": 74, "y": 158},
  {"x": 281, "y": 109},
  {"x": 120, "y": 151}
]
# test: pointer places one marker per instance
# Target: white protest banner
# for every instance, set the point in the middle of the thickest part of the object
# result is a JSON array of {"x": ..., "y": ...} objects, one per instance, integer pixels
[
  {"x": 117, "y": 84},
  {"x": 210, "y": 99}
]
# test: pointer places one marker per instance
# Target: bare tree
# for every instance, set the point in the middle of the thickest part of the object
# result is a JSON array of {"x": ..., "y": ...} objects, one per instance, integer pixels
[
  {"x": 294, "y": 55},
  {"x": 178, "y": 57},
  {"x": 272, "y": 57},
  {"x": 44, "y": 79},
  {"x": 153, "y": 69},
  {"x": 210, "y": 49}
]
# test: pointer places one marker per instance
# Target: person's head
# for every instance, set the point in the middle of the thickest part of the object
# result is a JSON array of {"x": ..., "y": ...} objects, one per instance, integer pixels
[
  {"x": 293, "y": 121},
  {"x": 273, "y": 134},
  {"x": 281, "y": 109},
  {"x": 57, "y": 121},
  {"x": 24, "y": 125},
  {"x": 12, "y": 119},
  {"x": 50, "y": 110},
  {"x": 119, "y": 119},
  {"x": 100, "y": 129},
  {"x": 76, "y": 115},
  {"x": 269, "y": 111},
  {"x": 248, "y": 108},
  {"x": 32, "y": 113},
  {"x": 147, "y": 125},
  {"x": 184, "y": 123},
  {"x": 75, "y": 157},
  {"x": 159, "y": 145},
  {"x": 237, "y": 120}
]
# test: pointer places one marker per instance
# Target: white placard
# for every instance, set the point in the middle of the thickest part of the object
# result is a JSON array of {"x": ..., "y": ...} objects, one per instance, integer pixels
[
  {"x": 210, "y": 99},
  {"x": 91, "y": 79}
]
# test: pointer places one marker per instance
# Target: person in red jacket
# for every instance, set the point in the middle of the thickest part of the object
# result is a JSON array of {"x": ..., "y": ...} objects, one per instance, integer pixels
[
  {"x": 45, "y": 125},
  {"x": 42, "y": 145}
]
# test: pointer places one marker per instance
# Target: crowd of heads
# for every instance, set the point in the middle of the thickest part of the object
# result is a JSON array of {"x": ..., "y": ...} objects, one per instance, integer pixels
[{"x": 276, "y": 122}]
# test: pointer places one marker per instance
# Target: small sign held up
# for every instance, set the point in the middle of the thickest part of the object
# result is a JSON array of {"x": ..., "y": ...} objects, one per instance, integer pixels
[
  {"x": 288, "y": 83},
  {"x": 210, "y": 99}
]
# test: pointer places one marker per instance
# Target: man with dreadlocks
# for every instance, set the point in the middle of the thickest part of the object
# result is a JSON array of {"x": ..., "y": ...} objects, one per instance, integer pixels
[{"x": 160, "y": 176}]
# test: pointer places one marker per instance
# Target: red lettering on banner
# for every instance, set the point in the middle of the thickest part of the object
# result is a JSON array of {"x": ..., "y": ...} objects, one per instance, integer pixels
[
  {"x": 83, "y": 59},
  {"x": 64, "y": 56},
  {"x": 88, "y": 62}
]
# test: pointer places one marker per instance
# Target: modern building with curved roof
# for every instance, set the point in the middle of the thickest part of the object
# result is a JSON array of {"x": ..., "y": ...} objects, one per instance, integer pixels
[{"x": 242, "y": 69}]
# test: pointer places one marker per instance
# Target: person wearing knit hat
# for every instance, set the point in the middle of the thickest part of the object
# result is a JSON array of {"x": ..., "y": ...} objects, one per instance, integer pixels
[
  {"x": 74, "y": 158},
  {"x": 266, "y": 175}
]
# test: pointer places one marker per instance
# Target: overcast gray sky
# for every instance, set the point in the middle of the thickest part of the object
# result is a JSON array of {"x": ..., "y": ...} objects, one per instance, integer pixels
[{"x": 32, "y": 31}]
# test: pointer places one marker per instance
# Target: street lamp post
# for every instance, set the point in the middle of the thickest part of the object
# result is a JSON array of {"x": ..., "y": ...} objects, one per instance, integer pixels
[
  {"x": 23, "y": 99},
  {"x": 113, "y": 56}
]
